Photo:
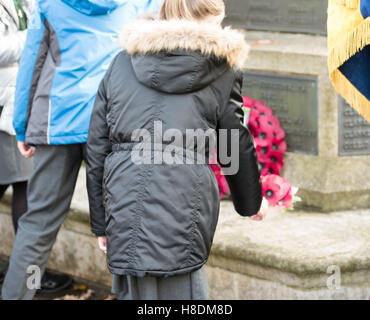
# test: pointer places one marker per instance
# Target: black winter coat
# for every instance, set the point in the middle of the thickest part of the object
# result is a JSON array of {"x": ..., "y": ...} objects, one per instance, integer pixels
[{"x": 160, "y": 219}]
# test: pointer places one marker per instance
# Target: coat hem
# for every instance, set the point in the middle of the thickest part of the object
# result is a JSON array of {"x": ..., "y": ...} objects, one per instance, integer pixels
[
  {"x": 153, "y": 273},
  {"x": 57, "y": 140},
  {"x": 13, "y": 181}
]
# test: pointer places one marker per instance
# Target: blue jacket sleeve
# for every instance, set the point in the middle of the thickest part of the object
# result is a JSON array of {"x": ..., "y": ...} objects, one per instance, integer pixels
[
  {"x": 27, "y": 66},
  {"x": 365, "y": 8}
]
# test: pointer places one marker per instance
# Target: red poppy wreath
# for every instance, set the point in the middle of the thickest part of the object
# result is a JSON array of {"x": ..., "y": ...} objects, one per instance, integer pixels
[{"x": 270, "y": 143}]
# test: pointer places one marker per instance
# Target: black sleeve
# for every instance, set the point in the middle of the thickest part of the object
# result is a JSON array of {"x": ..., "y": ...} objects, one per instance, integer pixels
[
  {"x": 245, "y": 184},
  {"x": 98, "y": 148}
]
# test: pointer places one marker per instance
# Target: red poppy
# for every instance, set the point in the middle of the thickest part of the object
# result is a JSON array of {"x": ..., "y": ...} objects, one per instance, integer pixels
[
  {"x": 277, "y": 191},
  {"x": 213, "y": 157},
  {"x": 284, "y": 185},
  {"x": 279, "y": 146},
  {"x": 262, "y": 109},
  {"x": 265, "y": 133},
  {"x": 264, "y": 169},
  {"x": 263, "y": 153},
  {"x": 286, "y": 202},
  {"x": 253, "y": 120},
  {"x": 279, "y": 134},
  {"x": 221, "y": 180},
  {"x": 252, "y": 130},
  {"x": 272, "y": 160},
  {"x": 274, "y": 123},
  {"x": 224, "y": 187},
  {"x": 271, "y": 190},
  {"x": 248, "y": 102},
  {"x": 276, "y": 157},
  {"x": 269, "y": 168}
]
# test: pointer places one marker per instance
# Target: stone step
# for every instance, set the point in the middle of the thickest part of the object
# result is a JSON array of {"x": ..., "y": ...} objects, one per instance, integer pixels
[{"x": 292, "y": 255}]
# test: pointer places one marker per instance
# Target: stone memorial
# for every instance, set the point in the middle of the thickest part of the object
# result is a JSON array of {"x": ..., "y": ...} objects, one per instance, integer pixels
[
  {"x": 278, "y": 15},
  {"x": 328, "y": 142},
  {"x": 354, "y": 132},
  {"x": 294, "y": 101}
]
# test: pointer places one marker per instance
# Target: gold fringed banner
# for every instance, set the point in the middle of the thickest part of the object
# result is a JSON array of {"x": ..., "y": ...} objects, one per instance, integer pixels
[
  {"x": 351, "y": 94},
  {"x": 348, "y": 34},
  {"x": 352, "y": 42},
  {"x": 352, "y": 4}
]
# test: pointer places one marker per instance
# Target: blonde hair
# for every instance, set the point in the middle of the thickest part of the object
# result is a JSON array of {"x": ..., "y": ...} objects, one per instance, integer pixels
[{"x": 192, "y": 9}]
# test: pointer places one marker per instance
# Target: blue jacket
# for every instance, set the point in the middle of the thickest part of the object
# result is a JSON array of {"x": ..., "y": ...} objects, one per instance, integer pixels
[{"x": 70, "y": 45}]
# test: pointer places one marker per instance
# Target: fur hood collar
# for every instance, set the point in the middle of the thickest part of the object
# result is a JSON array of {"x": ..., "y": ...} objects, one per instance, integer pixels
[{"x": 152, "y": 36}]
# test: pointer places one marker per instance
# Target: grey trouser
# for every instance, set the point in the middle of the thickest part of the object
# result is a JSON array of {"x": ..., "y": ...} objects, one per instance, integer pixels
[{"x": 50, "y": 191}]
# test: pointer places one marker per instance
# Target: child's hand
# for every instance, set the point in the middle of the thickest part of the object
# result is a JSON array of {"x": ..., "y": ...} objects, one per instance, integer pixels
[
  {"x": 262, "y": 213},
  {"x": 102, "y": 242},
  {"x": 25, "y": 150}
]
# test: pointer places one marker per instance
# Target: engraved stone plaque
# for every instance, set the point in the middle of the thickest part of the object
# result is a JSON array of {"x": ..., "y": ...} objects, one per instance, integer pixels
[
  {"x": 297, "y": 16},
  {"x": 294, "y": 101},
  {"x": 354, "y": 131}
]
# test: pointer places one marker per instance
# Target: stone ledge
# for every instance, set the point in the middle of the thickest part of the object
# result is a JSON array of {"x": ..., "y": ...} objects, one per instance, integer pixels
[
  {"x": 321, "y": 174},
  {"x": 224, "y": 284},
  {"x": 287, "y": 53},
  {"x": 330, "y": 183},
  {"x": 295, "y": 248}
]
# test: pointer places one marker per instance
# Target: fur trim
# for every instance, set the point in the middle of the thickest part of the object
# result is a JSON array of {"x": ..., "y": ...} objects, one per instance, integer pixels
[{"x": 144, "y": 37}]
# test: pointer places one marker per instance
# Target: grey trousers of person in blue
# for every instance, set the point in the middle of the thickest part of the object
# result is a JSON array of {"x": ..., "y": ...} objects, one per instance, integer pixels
[{"x": 50, "y": 191}]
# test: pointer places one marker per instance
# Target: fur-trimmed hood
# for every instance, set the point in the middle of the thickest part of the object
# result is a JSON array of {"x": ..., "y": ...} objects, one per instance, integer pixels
[
  {"x": 180, "y": 56},
  {"x": 152, "y": 36}
]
